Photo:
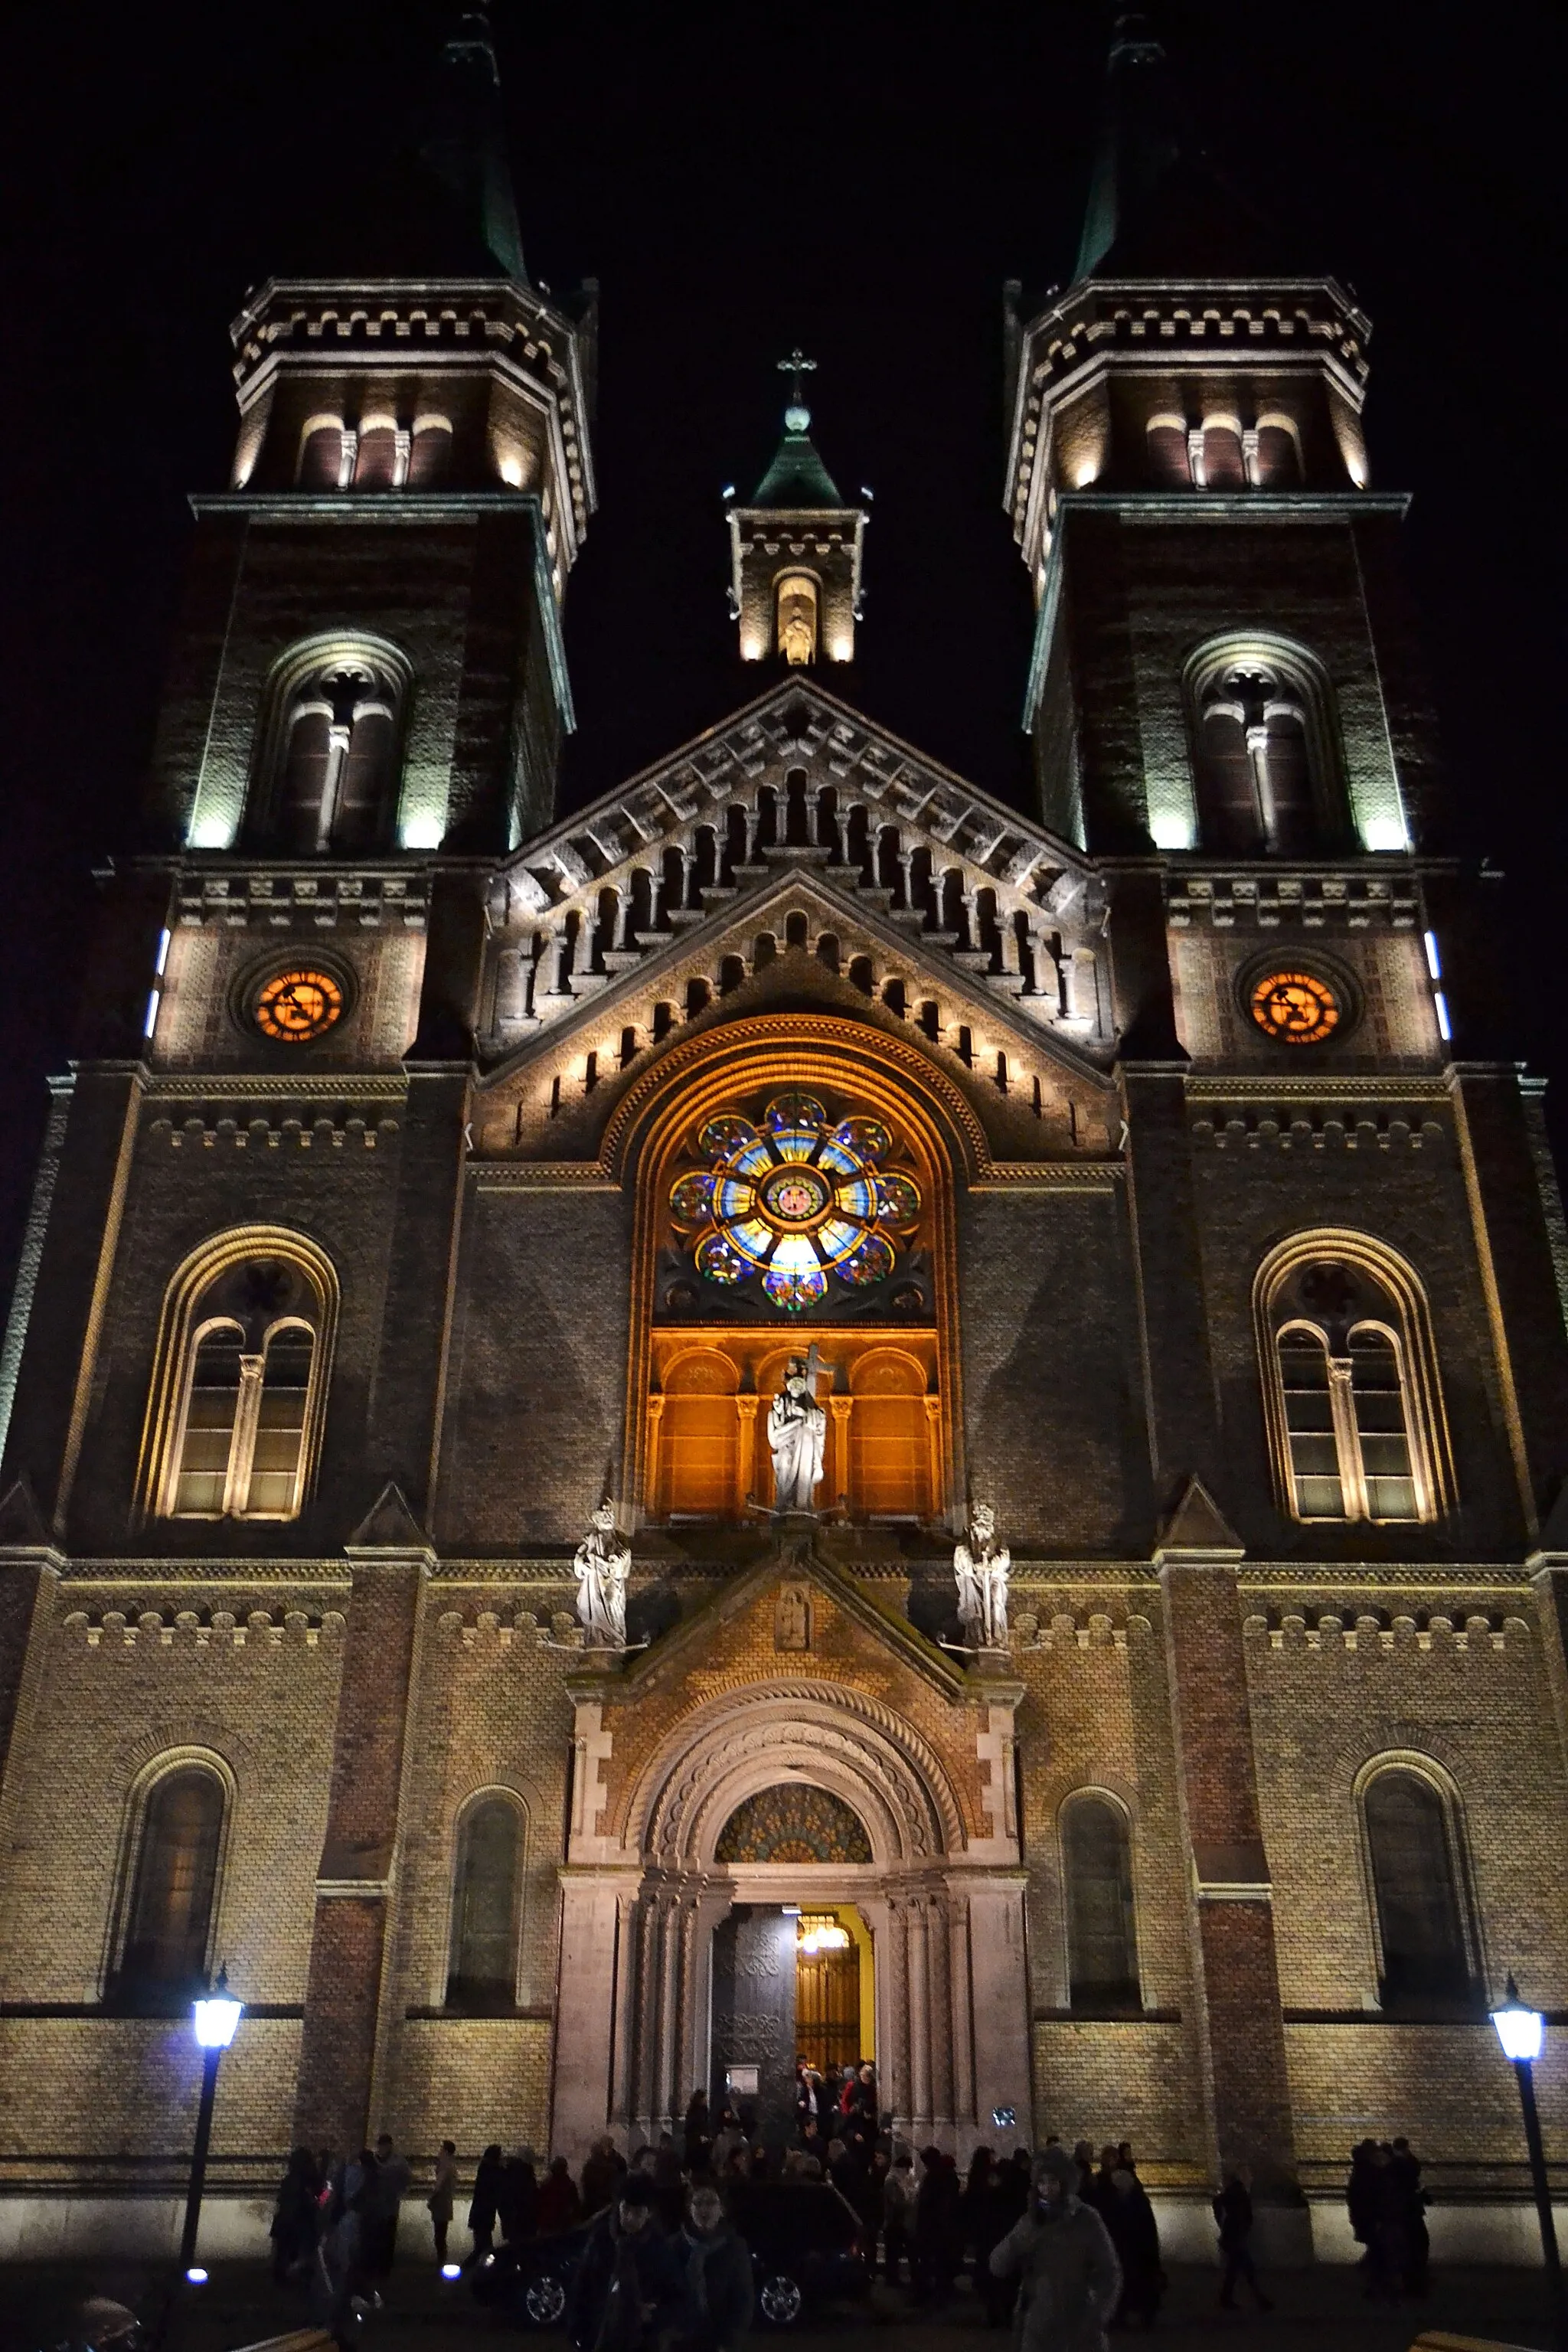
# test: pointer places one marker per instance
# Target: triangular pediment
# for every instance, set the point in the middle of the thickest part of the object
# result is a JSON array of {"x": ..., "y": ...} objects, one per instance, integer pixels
[
  {"x": 797, "y": 727},
  {"x": 828, "y": 872},
  {"x": 940, "y": 882},
  {"x": 389, "y": 1525},
  {"x": 1198, "y": 1530},
  {"x": 756, "y": 1593}
]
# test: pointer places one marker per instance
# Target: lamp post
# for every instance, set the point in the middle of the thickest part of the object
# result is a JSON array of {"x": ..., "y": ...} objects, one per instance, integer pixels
[
  {"x": 1519, "y": 2029},
  {"x": 213, "y": 2018}
]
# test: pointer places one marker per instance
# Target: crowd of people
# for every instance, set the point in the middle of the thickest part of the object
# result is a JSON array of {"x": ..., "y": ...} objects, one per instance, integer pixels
[{"x": 1025, "y": 2230}]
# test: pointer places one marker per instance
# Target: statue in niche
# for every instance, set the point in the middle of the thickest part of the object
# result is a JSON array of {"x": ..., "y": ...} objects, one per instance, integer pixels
[
  {"x": 603, "y": 1562},
  {"x": 981, "y": 1567},
  {"x": 797, "y": 1435},
  {"x": 792, "y": 1619}
]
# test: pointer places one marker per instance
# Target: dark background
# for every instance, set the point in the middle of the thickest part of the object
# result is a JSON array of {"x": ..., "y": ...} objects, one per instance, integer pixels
[{"x": 860, "y": 178}]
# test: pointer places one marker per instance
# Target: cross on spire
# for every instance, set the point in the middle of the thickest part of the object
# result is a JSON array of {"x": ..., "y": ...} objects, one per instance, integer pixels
[{"x": 796, "y": 366}]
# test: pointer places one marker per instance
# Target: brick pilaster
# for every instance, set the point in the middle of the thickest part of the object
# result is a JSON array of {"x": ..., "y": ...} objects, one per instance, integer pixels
[
  {"x": 356, "y": 1882},
  {"x": 1174, "y": 1321},
  {"x": 1240, "y": 2028}
]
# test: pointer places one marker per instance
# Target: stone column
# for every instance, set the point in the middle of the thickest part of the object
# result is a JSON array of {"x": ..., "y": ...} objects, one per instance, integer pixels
[
  {"x": 1179, "y": 1384},
  {"x": 1240, "y": 2028},
  {"x": 920, "y": 2013},
  {"x": 344, "y": 2001}
]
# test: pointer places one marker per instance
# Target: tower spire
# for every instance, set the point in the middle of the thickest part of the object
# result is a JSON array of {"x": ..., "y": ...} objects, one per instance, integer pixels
[
  {"x": 467, "y": 148},
  {"x": 795, "y": 548},
  {"x": 1140, "y": 137},
  {"x": 1158, "y": 204}
]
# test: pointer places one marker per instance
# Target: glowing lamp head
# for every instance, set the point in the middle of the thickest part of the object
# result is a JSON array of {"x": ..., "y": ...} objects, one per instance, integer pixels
[
  {"x": 1519, "y": 2029},
  {"x": 451, "y": 2270},
  {"x": 195, "y": 2276},
  {"x": 216, "y": 2015}
]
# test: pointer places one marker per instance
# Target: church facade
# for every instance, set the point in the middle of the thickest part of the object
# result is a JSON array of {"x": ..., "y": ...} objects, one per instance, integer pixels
[{"x": 522, "y": 1309}]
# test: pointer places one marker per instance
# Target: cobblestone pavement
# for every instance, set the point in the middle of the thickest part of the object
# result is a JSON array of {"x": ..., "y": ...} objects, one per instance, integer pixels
[{"x": 1315, "y": 2310}]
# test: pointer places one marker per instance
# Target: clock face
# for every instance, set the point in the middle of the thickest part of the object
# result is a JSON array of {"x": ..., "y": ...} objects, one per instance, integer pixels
[
  {"x": 1294, "y": 1008},
  {"x": 295, "y": 1006}
]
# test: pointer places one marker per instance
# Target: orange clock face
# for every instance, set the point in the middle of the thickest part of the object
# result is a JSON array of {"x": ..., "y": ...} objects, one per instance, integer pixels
[
  {"x": 294, "y": 1006},
  {"x": 1294, "y": 1008}
]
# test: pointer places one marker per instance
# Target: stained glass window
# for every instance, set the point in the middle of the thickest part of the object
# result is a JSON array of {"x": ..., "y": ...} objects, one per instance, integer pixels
[
  {"x": 793, "y": 1822},
  {"x": 794, "y": 1201}
]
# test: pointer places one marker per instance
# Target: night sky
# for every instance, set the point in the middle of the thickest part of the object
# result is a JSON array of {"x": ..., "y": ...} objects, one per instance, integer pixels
[{"x": 860, "y": 179}]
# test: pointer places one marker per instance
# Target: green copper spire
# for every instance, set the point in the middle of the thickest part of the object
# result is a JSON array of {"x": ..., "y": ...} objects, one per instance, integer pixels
[
  {"x": 466, "y": 150},
  {"x": 797, "y": 477}
]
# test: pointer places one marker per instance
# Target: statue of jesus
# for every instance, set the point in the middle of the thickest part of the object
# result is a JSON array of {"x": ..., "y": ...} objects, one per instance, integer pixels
[{"x": 797, "y": 1437}]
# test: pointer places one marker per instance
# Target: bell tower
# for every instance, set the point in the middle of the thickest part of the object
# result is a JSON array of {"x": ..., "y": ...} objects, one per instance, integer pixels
[
  {"x": 414, "y": 456},
  {"x": 796, "y": 550}
]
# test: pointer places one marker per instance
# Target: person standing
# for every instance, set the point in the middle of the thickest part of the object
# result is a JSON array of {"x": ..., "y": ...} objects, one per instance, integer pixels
[
  {"x": 1233, "y": 2212},
  {"x": 1060, "y": 2252},
  {"x": 295, "y": 2215},
  {"x": 698, "y": 2148},
  {"x": 485, "y": 2210},
  {"x": 443, "y": 2190},
  {"x": 629, "y": 2287},
  {"x": 518, "y": 2196},
  {"x": 899, "y": 2195},
  {"x": 392, "y": 2175},
  {"x": 601, "y": 2175},
  {"x": 1135, "y": 2234},
  {"x": 938, "y": 2229},
  {"x": 718, "y": 2277},
  {"x": 560, "y": 2207}
]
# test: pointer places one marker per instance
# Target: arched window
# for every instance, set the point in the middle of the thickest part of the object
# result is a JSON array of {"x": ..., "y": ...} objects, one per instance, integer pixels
[
  {"x": 238, "y": 1396},
  {"x": 321, "y": 454},
  {"x": 797, "y": 617},
  {"x": 1102, "y": 1942},
  {"x": 1279, "y": 461},
  {"x": 1223, "y": 466},
  {"x": 1169, "y": 462},
  {"x": 1413, "y": 1854},
  {"x": 891, "y": 1436},
  {"x": 173, "y": 1885},
  {"x": 487, "y": 1889},
  {"x": 1263, "y": 749},
  {"x": 699, "y": 1441},
  {"x": 335, "y": 746},
  {"x": 1351, "y": 1382},
  {"x": 376, "y": 465},
  {"x": 430, "y": 456}
]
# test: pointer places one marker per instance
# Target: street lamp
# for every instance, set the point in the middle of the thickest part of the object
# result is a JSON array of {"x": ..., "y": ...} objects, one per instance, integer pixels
[
  {"x": 1519, "y": 2029},
  {"x": 213, "y": 2018}
]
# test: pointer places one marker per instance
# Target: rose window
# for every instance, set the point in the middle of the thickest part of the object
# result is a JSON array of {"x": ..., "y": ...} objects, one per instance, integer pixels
[{"x": 794, "y": 1201}]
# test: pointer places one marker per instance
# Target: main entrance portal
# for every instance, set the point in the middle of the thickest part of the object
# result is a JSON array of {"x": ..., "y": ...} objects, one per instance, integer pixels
[
  {"x": 794, "y": 1868},
  {"x": 788, "y": 1983}
]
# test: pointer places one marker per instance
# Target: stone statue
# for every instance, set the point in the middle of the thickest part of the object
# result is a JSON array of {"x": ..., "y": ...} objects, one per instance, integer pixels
[
  {"x": 603, "y": 1562},
  {"x": 797, "y": 1437},
  {"x": 981, "y": 1565}
]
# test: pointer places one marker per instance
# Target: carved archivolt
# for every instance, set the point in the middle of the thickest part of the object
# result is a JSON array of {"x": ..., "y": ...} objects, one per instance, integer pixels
[{"x": 831, "y": 1738}]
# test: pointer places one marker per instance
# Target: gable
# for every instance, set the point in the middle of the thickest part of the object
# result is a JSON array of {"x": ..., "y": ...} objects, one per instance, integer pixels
[{"x": 797, "y": 861}]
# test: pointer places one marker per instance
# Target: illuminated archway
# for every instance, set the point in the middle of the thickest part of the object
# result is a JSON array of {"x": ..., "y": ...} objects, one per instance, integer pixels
[{"x": 705, "y": 1356}]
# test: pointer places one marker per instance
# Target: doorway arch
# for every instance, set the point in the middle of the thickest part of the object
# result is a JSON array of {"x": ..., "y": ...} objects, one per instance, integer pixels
[{"x": 642, "y": 1902}]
